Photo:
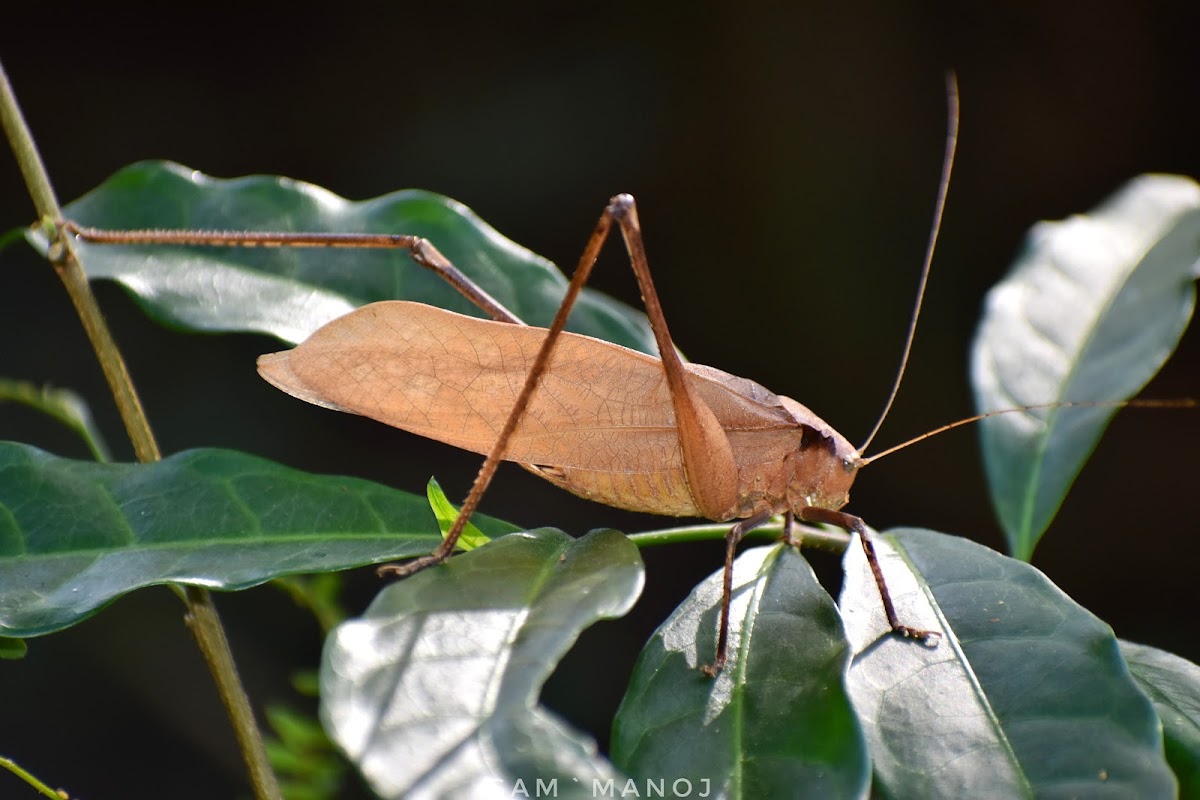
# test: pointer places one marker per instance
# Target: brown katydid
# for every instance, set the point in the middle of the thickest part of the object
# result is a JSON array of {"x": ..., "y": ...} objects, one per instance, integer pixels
[{"x": 604, "y": 422}]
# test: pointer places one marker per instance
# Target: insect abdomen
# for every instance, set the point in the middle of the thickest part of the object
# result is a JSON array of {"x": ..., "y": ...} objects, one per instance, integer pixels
[{"x": 662, "y": 492}]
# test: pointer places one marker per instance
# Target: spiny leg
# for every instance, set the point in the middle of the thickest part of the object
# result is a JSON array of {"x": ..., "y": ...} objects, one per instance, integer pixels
[
  {"x": 853, "y": 524},
  {"x": 706, "y": 449},
  {"x": 708, "y": 459},
  {"x": 492, "y": 462},
  {"x": 732, "y": 539},
  {"x": 421, "y": 250},
  {"x": 621, "y": 210},
  {"x": 428, "y": 256}
]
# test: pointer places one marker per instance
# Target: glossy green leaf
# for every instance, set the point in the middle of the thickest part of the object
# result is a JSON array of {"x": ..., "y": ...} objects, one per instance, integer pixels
[
  {"x": 433, "y": 692},
  {"x": 63, "y": 405},
  {"x": 446, "y": 512},
  {"x": 1090, "y": 312},
  {"x": 74, "y": 535},
  {"x": 1173, "y": 685},
  {"x": 776, "y": 722},
  {"x": 1025, "y": 695},
  {"x": 290, "y": 292}
]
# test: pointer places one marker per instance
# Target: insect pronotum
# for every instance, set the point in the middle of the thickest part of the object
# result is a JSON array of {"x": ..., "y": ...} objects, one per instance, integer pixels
[{"x": 604, "y": 422}]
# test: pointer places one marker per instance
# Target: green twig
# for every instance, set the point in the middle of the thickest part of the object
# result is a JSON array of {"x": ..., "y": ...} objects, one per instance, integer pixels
[
  {"x": 206, "y": 627},
  {"x": 66, "y": 264},
  {"x": 201, "y": 616},
  {"x": 822, "y": 538},
  {"x": 31, "y": 779}
]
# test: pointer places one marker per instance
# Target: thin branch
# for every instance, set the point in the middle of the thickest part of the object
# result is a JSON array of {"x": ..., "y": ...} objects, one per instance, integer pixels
[
  {"x": 206, "y": 627},
  {"x": 201, "y": 616},
  {"x": 30, "y": 778},
  {"x": 70, "y": 271},
  {"x": 831, "y": 539}
]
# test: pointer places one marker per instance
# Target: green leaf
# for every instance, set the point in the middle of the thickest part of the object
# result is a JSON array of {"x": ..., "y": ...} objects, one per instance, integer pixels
[
  {"x": 446, "y": 513},
  {"x": 1090, "y": 312},
  {"x": 63, "y": 405},
  {"x": 12, "y": 649},
  {"x": 776, "y": 722},
  {"x": 1173, "y": 685},
  {"x": 290, "y": 292},
  {"x": 296, "y": 731},
  {"x": 1025, "y": 695},
  {"x": 11, "y": 236},
  {"x": 74, "y": 535},
  {"x": 435, "y": 688},
  {"x": 306, "y": 762},
  {"x": 318, "y": 593}
]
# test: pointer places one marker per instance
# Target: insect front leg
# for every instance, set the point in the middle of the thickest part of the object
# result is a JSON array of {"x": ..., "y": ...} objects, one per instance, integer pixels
[{"x": 853, "y": 524}]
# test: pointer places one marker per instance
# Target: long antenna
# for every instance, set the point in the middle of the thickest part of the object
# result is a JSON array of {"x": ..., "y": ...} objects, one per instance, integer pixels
[
  {"x": 940, "y": 207},
  {"x": 1183, "y": 402}
]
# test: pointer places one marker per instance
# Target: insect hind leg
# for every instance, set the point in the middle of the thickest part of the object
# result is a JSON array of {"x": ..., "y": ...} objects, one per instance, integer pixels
[{"x": 706, "y": 449}]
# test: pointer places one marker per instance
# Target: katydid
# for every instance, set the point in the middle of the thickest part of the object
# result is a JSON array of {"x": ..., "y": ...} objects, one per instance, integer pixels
[
  {"x": 601, "y": 421},
  {"x": 607, "y": 423}
]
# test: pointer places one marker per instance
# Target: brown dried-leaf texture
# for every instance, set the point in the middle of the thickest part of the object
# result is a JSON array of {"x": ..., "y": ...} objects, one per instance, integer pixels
[{"x": 600, "y": 408}]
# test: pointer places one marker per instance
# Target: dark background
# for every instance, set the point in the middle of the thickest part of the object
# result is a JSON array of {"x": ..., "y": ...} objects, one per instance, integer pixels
[{"x": 785, "y": 161}]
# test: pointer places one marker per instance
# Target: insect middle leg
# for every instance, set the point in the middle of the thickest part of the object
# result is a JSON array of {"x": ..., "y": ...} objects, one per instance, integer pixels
[
  {"x": 732, "y": 540},
  {"x": 619, "y": 210},
  {"x": 420, "y": 249}
]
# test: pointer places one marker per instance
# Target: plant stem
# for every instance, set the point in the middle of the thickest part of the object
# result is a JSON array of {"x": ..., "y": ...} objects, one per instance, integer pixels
[
  {"x": 29, "y": 778},
  {"x": 69, "y": 270},
  {"x": 823, "y": 538},
  {"x": 201, "y": 616},
  {"x": 206, "y": 626}
]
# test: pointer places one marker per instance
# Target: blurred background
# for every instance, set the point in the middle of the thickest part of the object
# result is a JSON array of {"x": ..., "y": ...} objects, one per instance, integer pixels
[{"x": 785, "y": 161}]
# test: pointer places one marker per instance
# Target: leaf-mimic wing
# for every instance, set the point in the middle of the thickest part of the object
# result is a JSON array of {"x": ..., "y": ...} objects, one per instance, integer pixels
[{"x": 600, "y": 407}]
